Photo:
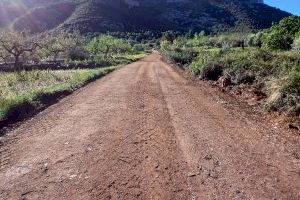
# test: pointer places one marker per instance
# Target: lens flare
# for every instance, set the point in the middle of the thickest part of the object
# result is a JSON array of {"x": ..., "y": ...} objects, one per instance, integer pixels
[{"x": 10, "y": 11}]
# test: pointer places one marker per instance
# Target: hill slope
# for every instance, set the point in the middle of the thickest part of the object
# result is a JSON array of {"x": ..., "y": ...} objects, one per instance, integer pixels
[{"x": 92, "y": 16}]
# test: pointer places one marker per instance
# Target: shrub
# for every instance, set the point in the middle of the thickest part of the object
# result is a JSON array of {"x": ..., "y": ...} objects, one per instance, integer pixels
[
  {"x": 296, "y": 44},
  {"x": 140, "y": 48},
  {"x": 254, "y": 40},
  {"x": 281, "y": 35},
  {"x": 232, "y": 39},
  {"x": 182, "y": 56},
  {"x": 211, "y": 71},
  {"x": 293, "y": 84},
  {"x": 168, "y": 36},
  {"x": 77, "y": 54},
  {"x": 201, "y": 60},
  {"x": 197, "y": 65},
  {"x": 225, "y": 47}
]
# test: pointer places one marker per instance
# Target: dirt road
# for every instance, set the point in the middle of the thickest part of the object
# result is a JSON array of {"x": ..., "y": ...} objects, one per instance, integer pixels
[{"x": 146, "y": 132}]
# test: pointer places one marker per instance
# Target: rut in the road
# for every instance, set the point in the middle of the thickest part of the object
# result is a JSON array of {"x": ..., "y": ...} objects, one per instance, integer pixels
[{"x": 146, "y": 132}]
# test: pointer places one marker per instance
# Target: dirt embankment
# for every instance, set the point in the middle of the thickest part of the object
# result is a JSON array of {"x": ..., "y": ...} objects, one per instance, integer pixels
[{"x": 146, "y": 132}]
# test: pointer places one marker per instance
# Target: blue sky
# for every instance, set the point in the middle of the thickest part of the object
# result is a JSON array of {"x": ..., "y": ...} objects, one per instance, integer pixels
[{"x": 292, "y": 6}]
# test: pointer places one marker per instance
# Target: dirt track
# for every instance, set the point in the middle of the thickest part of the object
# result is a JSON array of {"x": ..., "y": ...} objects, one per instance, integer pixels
[{"x": 146, "y": 132}]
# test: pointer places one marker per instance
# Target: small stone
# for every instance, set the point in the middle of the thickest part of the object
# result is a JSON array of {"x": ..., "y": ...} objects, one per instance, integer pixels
[
  {"x": 192, "y": 174},
  {"x": 208, "y": 157}
]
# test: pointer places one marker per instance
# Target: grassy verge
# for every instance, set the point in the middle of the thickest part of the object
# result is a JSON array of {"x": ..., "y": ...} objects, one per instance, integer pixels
[
  {"x": 24, "y": 93},
  {"x": 125, "y": 59}
]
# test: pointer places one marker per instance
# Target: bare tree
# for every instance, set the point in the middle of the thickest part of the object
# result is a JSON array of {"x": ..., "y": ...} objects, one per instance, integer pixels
[{"x": 16, "y": 44}]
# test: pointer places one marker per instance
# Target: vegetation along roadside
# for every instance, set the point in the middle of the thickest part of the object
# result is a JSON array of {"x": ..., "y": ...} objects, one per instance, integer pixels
[
  {"x": 263, "y": 67},
  {"x": 38, "y": 70}
]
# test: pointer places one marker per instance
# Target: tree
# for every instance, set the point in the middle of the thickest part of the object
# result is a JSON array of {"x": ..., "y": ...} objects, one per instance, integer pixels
[
  {"x": 4, "y": 56},
  {"x": 281, "y": 35},
  {"x": 168, "y": 36},
  {"x": 105, "y": 45},
  {"x": 100, "y": 45},
  {"x": 62, "y": 43},
  {"x": 15, "y": 44}
]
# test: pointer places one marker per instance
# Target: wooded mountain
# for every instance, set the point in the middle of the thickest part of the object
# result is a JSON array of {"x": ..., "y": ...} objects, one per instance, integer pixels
[{"x": 93, "y": 16}]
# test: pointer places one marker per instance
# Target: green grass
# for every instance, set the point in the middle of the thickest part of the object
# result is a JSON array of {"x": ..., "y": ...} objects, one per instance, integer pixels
[
  {"x": 123, "y": 58},
  {"x": 28, "y": 88},
  {"x": 135, "y": 57}
]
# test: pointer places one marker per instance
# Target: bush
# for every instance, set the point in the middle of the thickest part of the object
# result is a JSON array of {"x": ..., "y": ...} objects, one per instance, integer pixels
[
  {"x": 296, "y": 44},
  {"x": 254, "y": 40},
  {"x": 197, "y": 65},
  {"x": 211, "y": 71},
  {"x": 293, "y": 84},
  {"x": 201, "y": 60},
  {"x": 281, "y": 36},
  {"x": 140, "y": 48},
  {"x": 77, "y": 54},
  {"x": 232, "y": 39},
  {"x": 182, "y": 56},
  {"x": 225, "y": 47}
]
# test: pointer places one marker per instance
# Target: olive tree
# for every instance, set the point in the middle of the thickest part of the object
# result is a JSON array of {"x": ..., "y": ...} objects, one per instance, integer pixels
[
  {"x": 14, "y": 44},
  {"x": 104, "y": 46},
  {"x": 4, "y": 56},
  {"x": 62, "y": 44}
]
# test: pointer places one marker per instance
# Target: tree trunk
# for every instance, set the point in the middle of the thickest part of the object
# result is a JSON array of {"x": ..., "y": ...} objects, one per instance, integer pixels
[
  {"x": 17, "y": 60},
  {"x": 55, "y": 56}
]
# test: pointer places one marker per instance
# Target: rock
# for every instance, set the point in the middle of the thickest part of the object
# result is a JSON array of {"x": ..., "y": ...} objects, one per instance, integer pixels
[
  {"x": 225, "y": 81},
  {"x": 193, "y": 173},
  {"x": 294, "y": 126}
]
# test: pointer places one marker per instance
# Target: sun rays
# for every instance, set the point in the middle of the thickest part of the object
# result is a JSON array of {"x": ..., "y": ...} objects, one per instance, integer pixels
[{"x": 11, "y": 10}]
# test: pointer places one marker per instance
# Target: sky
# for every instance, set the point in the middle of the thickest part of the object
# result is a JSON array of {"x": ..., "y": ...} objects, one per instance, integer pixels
[{"x": 292, "y": 6}]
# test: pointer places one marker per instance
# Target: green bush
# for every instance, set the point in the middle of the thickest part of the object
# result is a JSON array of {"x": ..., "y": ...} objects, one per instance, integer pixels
[
  {"x": 293, "y": 84},
  {"x": 206, "y": 65},
  {"x": 281, "y": 35},
  {"x": 197, "y": 65},
  {"x": 181, "y": 56},
  {"x": 140, "y": 48}
]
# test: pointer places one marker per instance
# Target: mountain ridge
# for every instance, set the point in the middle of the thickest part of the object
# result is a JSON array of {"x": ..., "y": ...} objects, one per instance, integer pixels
[{"x": 94, "y": 16}]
